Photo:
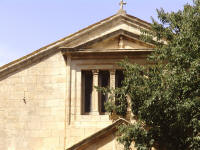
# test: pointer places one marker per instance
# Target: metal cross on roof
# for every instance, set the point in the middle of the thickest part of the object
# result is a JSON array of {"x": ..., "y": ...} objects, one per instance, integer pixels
[{"x": 122, "y": 3}]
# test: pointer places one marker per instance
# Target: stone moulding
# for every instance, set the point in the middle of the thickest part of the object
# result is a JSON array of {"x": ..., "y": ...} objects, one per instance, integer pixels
[
  {"x": 73, "y": 41},
  {"x": 98, "y": 135}
]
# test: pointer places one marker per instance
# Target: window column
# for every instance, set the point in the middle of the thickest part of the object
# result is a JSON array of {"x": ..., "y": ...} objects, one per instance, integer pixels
[
  {"x": 112, "y": 79},
  {"x": 95, "y": 104}
]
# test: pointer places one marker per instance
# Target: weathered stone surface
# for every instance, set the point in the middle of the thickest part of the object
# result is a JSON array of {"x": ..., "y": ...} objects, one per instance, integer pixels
[
  {"x": 39, "y": 120},
  {"x": 40, "y": 94}
]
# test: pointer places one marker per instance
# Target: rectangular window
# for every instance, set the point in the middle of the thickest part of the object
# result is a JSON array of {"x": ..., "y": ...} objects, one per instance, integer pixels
[
  {"x": 87, "y": 81},
  {"x": 104, "y": 81}
]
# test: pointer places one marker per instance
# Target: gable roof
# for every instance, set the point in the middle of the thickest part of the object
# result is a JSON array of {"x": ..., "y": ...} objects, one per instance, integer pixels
[
  {"x": 102, "y": 133},
  {"x": 69, "y": 41}
]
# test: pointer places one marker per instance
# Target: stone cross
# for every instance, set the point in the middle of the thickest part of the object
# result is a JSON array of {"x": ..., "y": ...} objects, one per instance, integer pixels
[{"x": 122, "y": 3}]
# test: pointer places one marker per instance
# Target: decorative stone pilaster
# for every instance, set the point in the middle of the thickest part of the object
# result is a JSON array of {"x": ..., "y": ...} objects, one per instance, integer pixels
[
  {"x": 68, "y": 98},
  {"x": 68, "y": 90},
  {"x": 112, "y": 79},
  {"x": 95, "y": 104}
]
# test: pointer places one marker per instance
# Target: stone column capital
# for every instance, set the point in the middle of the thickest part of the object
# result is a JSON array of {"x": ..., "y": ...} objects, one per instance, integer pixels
[
  {"x": 112, "y": 71},
  {"x": 95, "y": 72}
]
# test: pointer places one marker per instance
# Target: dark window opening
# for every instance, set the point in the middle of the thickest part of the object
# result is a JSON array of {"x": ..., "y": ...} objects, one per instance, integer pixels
[
  {"x": 119, "y": 77},
  {"x": 104, "y": 81},
  {"x": 87, "y": 80}
]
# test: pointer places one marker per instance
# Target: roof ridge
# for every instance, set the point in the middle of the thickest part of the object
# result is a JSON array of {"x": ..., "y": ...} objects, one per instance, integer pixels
[
  {"x": 51, "y": 44},
  {"x": 61, "y": 41}
]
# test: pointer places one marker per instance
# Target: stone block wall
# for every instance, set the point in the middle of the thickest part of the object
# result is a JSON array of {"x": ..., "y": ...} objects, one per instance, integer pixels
[
  {"x": 37, "y": 123},
  {"x": 47, "y": 119},
  {"x": 85, "y": 126}
]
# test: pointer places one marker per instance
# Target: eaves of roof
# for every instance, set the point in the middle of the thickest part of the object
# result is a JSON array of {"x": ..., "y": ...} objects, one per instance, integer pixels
[{"x": 54, "y": 47}]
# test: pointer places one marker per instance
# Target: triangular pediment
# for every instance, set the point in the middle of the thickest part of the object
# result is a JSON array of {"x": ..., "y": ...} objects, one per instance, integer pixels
[
  {"x": 119, "y": 25},
  {"x": 118, "y": 41},
  {"x": 105, "y": 32}
]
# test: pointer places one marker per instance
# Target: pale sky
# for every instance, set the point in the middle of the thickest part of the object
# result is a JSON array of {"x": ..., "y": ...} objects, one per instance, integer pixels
[{"x": 27, "y": 25}]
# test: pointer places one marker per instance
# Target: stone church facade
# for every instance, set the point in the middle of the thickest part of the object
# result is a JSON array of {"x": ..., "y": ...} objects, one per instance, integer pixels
[{"x": 47, "y": 98}]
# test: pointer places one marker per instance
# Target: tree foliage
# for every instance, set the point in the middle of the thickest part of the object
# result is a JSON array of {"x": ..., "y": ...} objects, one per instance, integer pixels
[{"x": 164, "y": 96}]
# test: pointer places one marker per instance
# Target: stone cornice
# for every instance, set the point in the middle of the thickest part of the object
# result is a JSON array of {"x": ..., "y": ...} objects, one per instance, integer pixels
[{"x": 72, "y": 41}]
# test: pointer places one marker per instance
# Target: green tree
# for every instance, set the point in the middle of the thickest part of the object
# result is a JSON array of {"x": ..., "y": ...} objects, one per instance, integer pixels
[{"x": 164, "y": 96}]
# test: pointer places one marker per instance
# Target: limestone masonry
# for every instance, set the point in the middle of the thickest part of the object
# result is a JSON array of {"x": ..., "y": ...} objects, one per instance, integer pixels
[{"x": 47, "y": 98}]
